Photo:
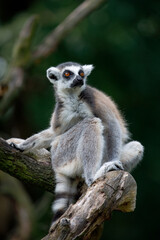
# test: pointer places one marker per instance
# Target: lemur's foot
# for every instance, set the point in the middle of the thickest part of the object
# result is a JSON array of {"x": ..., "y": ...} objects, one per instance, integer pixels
[
  {"x": 107, "y": 167},
  {"x": 113, "y": 165}
]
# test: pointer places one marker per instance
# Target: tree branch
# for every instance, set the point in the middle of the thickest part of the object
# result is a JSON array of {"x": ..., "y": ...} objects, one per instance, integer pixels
[
  {"x": 32, "y": 169},
  {"x": 115, "y": 191},
  {"x": 51, "y": 42}
]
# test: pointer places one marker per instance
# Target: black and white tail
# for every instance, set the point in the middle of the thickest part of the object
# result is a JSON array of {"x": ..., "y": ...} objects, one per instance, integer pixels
[{"x": 65, "y": 194}]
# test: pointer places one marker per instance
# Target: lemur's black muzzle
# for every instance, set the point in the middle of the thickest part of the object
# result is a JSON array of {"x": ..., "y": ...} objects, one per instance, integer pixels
[{"x": 77, "y": 82}]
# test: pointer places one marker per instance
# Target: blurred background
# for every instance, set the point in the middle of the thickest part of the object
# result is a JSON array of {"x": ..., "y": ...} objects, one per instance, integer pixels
[{"x": 122, "y": 40}]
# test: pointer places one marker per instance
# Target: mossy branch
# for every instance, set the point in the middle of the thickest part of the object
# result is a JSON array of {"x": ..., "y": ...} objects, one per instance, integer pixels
[{"x": 27, "y": 168}]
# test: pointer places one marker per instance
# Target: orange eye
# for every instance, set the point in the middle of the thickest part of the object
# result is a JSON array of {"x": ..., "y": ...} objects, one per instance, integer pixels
[
  {"x": 82, "y": 74},
  {"x": 67, "y": 74}
]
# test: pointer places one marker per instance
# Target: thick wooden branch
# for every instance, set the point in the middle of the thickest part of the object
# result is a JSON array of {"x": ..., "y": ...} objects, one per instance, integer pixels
[
  {"x": 115, "y": 191},
  {"x": 51, "y": 42},
  {"x": 30, "y": 169}
]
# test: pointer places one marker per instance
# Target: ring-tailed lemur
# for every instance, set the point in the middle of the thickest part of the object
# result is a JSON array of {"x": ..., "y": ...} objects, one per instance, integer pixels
[{"x": 87, "y": 134}]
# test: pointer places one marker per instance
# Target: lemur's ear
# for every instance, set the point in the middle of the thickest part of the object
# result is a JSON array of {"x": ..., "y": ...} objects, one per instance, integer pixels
[
  {"x": 53, "y": 74},
  {"x": 87, "y": 69}
]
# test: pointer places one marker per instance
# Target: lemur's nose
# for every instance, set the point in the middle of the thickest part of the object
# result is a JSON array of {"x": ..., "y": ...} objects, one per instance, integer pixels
[{"x": 78, "y": 81}]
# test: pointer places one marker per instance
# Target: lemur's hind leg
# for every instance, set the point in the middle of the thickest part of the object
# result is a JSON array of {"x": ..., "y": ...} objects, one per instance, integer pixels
[
  {"x": 91, "y": 148},
  {"x": 76, "y": 153},
  {"x": 131, "y": 155}
]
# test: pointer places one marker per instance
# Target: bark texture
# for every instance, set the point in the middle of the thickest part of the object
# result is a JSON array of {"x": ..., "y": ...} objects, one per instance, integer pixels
[
  {"x": 116, "y": 191},
  {"x": 32, "y": 169}
]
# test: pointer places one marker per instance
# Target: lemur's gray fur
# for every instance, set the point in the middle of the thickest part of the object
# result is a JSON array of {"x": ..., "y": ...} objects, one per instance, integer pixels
[{"x": 87, "y": 134}]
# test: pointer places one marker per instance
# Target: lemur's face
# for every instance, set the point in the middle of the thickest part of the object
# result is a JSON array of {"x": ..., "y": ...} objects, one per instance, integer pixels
[{"x": 69, "y": 77}]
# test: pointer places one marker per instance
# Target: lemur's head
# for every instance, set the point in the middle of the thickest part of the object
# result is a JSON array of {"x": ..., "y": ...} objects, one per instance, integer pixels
[{"x": 69, "y": 75}]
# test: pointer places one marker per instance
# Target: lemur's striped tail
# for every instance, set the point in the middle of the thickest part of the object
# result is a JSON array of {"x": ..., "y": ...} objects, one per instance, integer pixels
[{"x": 65, "y": 194}]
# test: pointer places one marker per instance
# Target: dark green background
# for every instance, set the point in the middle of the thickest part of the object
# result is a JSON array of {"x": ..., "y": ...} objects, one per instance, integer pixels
[{"x": 122, "y": 40}]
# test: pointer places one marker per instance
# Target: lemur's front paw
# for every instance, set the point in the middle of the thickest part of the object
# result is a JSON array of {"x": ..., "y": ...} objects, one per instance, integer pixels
[{"x": 16, "y": 146}]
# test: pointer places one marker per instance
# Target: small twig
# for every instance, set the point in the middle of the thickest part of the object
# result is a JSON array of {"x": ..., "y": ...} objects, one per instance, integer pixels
[
  {"x": 13, "y": 83},
  {"x": 14, "y": 80},
  {"x": 51, "y": 42},
  {"x": 22, "y": 50}
]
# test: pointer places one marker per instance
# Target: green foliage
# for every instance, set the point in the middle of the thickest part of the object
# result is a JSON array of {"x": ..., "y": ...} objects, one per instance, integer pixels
[{"x": 122, "y": 41}]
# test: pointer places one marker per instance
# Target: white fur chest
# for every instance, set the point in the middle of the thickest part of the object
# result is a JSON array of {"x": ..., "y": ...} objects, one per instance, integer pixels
[{"x": 74, "y": 110}]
